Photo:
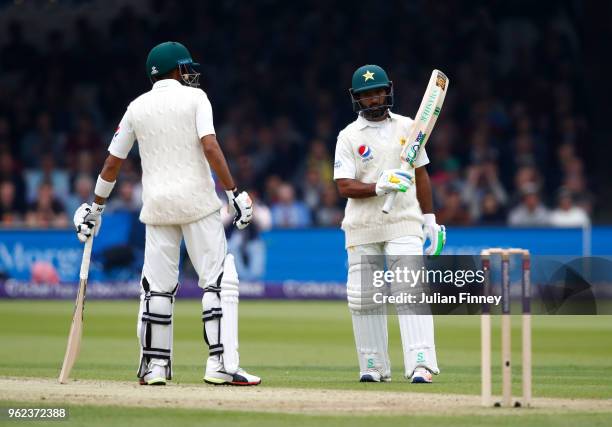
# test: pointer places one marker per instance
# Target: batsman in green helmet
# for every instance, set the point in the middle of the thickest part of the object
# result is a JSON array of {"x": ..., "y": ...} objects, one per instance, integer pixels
[
  {"x": 179, "y": 151},
  {"x": 366, "y": 170}
]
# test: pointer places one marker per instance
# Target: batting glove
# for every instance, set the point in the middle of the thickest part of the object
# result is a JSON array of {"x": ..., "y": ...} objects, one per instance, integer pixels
[
  {"x": 393, "y": 180},
  {"x": 436, "y": 234},
  {"x": 243, "y": 206},
  {"x": 87, "y": 220}
]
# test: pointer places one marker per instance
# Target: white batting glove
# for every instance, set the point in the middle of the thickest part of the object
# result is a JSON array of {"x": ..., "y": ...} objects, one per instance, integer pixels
[
  {"x": 243, "y": 207},
  {"x": 393, "y": 180},
  {"x": 87, "y": 220},
  {"x": 436, "y": 234}
]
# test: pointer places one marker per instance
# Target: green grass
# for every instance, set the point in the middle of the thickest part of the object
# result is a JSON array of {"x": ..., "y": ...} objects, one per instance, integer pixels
[{"x": 305, "y": 345}]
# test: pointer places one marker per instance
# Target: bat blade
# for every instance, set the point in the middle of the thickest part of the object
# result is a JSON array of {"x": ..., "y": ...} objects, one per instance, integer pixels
[
  {"x": 76, "y": 328},
  {"x": 424, "y": 121}
]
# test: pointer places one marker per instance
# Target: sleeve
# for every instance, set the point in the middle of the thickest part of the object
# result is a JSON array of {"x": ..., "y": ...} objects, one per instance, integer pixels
[
  {"x": 344, "y": 162},
  {"x": 123, "y": 139},
  {"x": 204, "y": 117}
]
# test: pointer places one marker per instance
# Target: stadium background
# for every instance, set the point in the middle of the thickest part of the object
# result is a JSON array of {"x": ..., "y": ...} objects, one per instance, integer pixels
[{"x": 522, "y": 141}]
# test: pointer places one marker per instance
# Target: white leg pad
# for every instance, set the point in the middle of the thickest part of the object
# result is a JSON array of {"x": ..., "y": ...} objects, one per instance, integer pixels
[
  {"x": 220, "y": 316},
  {"x": 371, "y": 340},
  {"x": 417, "y": 333},
  {"x": 155, "y": 329},
  {"x": 369, "y": 318}
]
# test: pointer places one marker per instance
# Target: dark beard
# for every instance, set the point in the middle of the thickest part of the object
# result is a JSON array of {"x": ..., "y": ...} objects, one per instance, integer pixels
[{"x": 375, "y": 113}]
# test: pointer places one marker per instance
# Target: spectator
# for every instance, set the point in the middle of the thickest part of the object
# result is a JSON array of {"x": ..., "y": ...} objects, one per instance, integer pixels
[
  {"x": 531, "y": 211},
  {"x": 83, "y": 138},
  {"x": 453, "y": 212},
  {"x": 10, "y": 211},
  {"x": 46, "y": 210},
  {"x": 125, "y": 200},
  {"x": 39, "y": 141},
  {"x": 312, "y": 188},
  {"x": 319, "y": 159},
  {"x": 273, "y": 182},
  {"x": 246, "y": 245},
  {"x": 9, "y": 171},
  {"x": 567, "y": 213},
  {"x": 482, "y": 180},
  {"x": 48, "y": 173},
  {"x": 491, "y": 212},
  {"x": 287, "y": 212},
  {"x": 329, "y": 214},
  {"x": 83, "y": 193}
]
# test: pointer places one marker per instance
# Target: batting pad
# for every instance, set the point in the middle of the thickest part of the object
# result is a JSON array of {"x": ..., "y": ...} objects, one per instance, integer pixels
[
  {"x": 220, "y": 317},
  {"x": 155, "y": 329},
  {"x": 371, "y": 340},
  {"x": 417, "y": 332}
]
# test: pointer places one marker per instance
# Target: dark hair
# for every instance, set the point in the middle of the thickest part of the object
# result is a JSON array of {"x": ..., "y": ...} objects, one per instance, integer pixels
[{"x": 163, "y": 76}]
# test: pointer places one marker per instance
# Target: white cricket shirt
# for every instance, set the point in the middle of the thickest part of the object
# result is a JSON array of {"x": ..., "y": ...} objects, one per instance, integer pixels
[
  {"x": 168, "y": 122},
  {"x": 364, "y": 149}
]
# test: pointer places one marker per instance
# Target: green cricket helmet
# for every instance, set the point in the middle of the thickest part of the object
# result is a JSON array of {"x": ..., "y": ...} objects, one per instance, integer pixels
[
  {"x": 167, "y": 56},
  {"x": 369, "y": 77}
]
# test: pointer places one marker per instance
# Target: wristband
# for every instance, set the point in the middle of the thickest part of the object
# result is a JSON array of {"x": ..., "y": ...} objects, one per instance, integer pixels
[{"x": 103, "y": 188}]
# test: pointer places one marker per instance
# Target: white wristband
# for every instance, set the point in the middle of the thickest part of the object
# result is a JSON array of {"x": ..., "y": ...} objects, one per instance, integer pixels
[{"x": 103, "y": 188}]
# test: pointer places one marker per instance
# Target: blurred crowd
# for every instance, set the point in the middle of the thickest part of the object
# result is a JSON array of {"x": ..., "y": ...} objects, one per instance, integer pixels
[{"x": 508, "y": 148}]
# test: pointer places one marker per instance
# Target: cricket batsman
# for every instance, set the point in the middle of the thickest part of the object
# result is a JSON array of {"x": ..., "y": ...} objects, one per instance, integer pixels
[
  {"x": 173, "y": 124},
  {"x": 366, "y": 169}
]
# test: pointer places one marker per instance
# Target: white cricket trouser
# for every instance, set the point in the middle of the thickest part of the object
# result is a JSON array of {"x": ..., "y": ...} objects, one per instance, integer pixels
[
  {"x": 206, "y": 246},
  {"x": 370, "y": 322}
]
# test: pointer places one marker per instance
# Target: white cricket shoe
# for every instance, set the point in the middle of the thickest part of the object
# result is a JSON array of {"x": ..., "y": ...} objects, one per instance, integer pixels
[
  {"x": 156, "y": 375},
  {"x": 240, "y": 378},
  {"x": 421, "y": 376},
  {"x": 374, "y": 376}
]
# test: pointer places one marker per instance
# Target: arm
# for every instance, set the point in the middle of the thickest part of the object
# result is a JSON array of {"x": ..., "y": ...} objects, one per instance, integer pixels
[
  {"x": 423, "y": 190},
  {"x": 353, "y": 189},
  {"x": 243, "y": 206},
  {"x": 109, "y": 173},
  {"x": 215, "y": 157},
  {"x": 436, "y": 234},
  {"x": 87, "y": 217}
]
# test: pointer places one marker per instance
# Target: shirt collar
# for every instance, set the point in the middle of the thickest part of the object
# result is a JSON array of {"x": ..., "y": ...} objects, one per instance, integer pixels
[
  {"x": 165, "y": 83},
  {"x": 363, "y": 123}
]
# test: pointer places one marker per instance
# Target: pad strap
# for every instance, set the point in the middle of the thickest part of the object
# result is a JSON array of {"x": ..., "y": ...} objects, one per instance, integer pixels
[{"x": 214, "y": 314}]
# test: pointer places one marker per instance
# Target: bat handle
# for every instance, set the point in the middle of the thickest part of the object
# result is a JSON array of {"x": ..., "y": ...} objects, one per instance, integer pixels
[{"x": 389, "y": 199}]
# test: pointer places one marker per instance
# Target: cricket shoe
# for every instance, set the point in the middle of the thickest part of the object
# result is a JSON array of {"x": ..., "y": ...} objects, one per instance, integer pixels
[
  {"x": 240, "y": 378},
  {"x": 156, "y": 375},
  {"x": 374, "y": 377},
  {"x": 421, "y": 376}
]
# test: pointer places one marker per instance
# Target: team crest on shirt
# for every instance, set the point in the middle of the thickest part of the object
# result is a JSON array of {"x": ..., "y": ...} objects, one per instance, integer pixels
[
  {"x": 116, "y": 131},
  {"x": 365, "y": 153}
]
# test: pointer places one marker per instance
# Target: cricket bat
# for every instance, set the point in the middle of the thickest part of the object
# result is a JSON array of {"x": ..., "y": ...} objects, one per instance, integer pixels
[
  {"x": 424, "y": 121},
  {"x": 76, "y": 329}
]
